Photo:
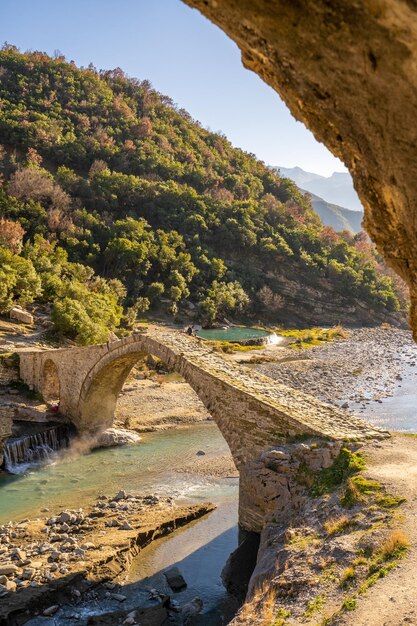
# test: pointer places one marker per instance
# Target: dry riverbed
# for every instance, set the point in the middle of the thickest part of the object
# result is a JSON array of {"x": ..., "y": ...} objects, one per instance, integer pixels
[
  {"x": 367, "y": 367},
  {"x": 79, "y": 555},
  {"x": 157, "y": 403}
]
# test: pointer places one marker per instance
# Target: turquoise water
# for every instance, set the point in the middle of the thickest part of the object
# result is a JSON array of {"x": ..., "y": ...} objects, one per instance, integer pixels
[
  {"x": 75, "y": 480},
  {"x": 234, "y": 333},
  {"x": 200, "y": 549}
]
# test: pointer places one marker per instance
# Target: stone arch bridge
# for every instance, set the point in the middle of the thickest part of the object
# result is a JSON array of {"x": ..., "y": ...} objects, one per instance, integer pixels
[{"x": 252, "y": 411}]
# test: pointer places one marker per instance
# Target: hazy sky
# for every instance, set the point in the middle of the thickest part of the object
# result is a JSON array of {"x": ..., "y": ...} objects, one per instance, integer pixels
[{"x": 183, "y": 55}]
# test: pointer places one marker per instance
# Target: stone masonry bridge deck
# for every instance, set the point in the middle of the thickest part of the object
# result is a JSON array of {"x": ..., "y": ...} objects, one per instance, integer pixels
[{"x": 252, "y": 411}]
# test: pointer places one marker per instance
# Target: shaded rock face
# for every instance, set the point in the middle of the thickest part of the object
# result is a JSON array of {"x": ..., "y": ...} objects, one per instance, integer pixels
[
  {"x": 272, "y": 486},
  {"x": 348, "y": 70},
  {"x": 240, "y": 565}
]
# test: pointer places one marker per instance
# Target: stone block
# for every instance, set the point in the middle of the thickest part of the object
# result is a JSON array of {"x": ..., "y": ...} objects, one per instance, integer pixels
[
  {"x": 175, "y": 579},
  {"x": 19, "y": 314}
]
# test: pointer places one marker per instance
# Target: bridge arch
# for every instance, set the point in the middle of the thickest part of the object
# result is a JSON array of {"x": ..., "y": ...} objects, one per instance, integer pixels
[
  {"x": 101, "y": 389},
  {"x": 102, "y": 386}
]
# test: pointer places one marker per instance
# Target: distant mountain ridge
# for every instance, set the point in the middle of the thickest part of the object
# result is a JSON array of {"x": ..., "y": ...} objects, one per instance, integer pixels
[
  {"x": 336, "y": 216},
  {"x": 337, "y": 189}
]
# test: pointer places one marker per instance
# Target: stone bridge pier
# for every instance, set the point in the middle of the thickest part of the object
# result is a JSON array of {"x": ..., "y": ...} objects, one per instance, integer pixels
[{"x": 253, "y": 412}]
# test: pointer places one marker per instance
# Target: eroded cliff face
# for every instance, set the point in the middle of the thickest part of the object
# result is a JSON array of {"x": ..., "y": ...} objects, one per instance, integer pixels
[{"x": 348, "y": 70}]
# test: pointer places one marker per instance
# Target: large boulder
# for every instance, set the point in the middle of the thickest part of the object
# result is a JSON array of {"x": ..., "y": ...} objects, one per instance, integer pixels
[{"x": 116, "y": 437}]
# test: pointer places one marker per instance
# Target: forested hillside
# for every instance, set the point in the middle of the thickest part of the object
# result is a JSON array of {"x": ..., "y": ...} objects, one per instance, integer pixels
[{"x": 113, "y": 201}]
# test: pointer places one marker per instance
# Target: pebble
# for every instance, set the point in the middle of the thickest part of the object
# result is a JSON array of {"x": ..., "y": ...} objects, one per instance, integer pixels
[
  {"x": 8, "y": 569},
  {"x": 63, "y": 517},
  {"x": 20, "y": 554},
  {"x": 51, "y": 610},
  {"x": 79, "y": 552},
  {"x": 28, "y": 573},
  {"x": 118, "y": 596}
]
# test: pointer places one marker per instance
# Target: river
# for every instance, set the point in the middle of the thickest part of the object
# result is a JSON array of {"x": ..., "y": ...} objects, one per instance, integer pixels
[
  {"x": 397, "y": 412},
  {"x": 154, "y": 466}
]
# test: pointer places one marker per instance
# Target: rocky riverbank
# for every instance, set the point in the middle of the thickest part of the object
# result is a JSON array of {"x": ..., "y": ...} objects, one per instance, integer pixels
[
  {"x": 351, "y": 373},
  {"x": 338, "y": 526},
  {"x": 50, "y": 562}
]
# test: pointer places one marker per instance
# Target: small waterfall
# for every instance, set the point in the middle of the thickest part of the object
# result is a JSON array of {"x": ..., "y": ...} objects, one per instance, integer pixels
[
  {"x": 36, "y": 448},
  {"x": 273, "y": 339}
]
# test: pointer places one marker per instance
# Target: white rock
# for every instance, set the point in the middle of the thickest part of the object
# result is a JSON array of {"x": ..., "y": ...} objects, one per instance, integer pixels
[
  {"x": 276, "y": 455},
  {"x": 116, "y": 437},
  {"x": 19, "y": 314}
]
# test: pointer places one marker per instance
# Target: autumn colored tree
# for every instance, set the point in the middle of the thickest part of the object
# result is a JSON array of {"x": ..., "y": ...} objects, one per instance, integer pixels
[{"x": 11, "y": 235}]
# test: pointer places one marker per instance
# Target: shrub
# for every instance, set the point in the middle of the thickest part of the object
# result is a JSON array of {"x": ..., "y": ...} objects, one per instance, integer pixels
[
  {"x": 11, "y": 235},
  {"x": 347, "y": 577},
  {"x": 19, "y": 282},
  {"x": 346, "y": 464},
  {"x": 350, "y": 604},
  {"x": 336, "y": 525},
  {"x": 352, "y": 495},
  {"x": 394, "y": 545}
]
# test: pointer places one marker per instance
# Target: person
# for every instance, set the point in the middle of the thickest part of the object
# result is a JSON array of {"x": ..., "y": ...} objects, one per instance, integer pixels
[{"x": 189, "y": 331}]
